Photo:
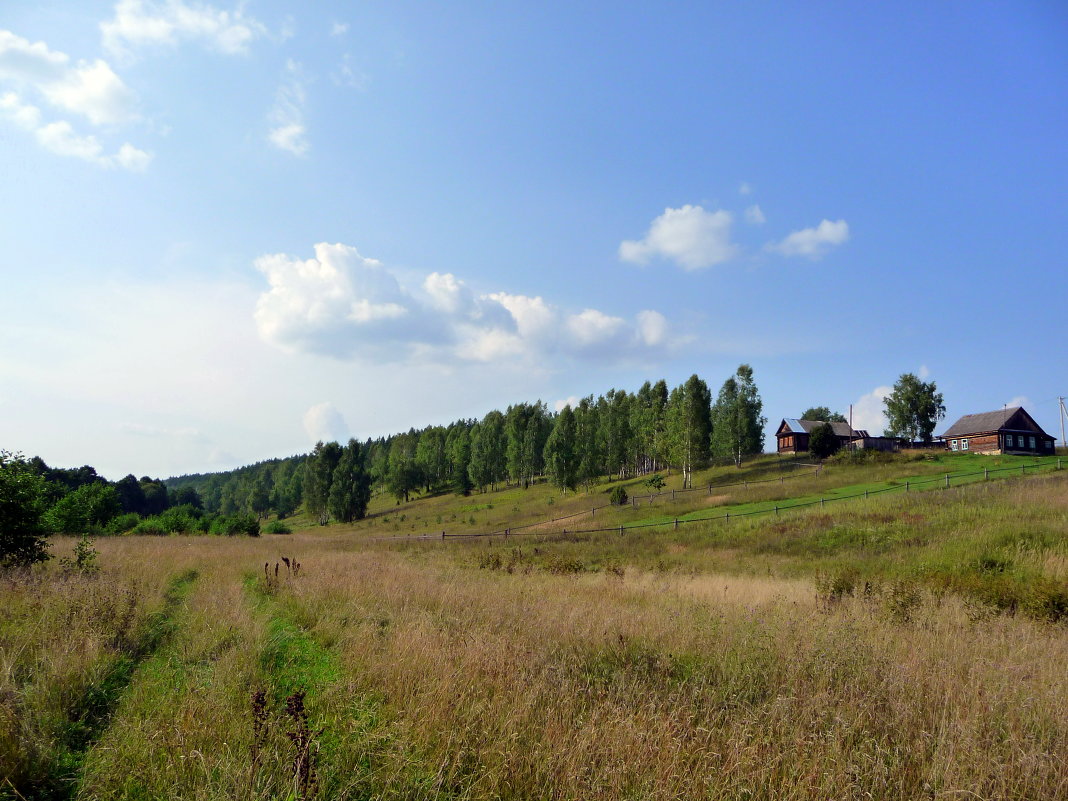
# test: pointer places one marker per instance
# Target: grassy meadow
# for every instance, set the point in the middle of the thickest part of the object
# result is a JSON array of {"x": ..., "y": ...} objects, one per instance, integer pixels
[{"x": 903, "y": 646}]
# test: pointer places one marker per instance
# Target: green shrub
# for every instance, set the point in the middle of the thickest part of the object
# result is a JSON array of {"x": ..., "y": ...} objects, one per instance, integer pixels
[
  {"x": 123, "y": 523},
  {"x": 618, "y": 496},
  {"x": 277, "y": 527}
]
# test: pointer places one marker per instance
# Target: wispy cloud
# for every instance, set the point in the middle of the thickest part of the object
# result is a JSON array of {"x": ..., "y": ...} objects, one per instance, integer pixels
[
  {"x": 289, "y": 132},
  {"x": 754, "y": 216},
  {"x": 689, "y": 236},
  {"x": 813, "y": 243},
  {"x": 339, "y": 29},
  {"x": 142, "y": 23}
]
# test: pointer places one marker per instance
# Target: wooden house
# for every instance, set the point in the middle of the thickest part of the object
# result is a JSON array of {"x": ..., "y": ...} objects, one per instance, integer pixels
[
  {"x": 793, "y": 434},
  {"x": 1010, "y": 430}
]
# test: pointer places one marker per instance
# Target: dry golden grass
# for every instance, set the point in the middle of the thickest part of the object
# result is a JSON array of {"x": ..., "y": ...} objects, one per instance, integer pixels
[{"x": 538, "y": 677}]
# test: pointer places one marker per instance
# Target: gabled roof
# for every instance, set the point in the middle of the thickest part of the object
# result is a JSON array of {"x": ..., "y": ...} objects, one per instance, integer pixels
[
  {"x": 793, "y": 425},
  {"x": 994, "y": 421}
]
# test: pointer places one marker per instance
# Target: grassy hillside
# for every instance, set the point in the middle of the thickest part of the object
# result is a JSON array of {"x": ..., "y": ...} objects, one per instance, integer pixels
[{"x": 899, "y": 647}]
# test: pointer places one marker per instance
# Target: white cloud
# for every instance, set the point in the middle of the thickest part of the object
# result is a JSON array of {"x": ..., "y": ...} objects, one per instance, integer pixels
[
  {"x": 446, "y": 292},
  {"x": 744, "y": 188},
  {"x": 339, "y": 29},
  {"x": 289, "y": 132},
  {"x": 344, "y": 305},
  {"x": 754, "y": 215},
  {"x": 571, "y": 400},
  {"x": 690, "y": 236},
  {"x": 323, "y": 422},
  {"x": 652, "y": 328},
  {"x": 141, "y": 23},
  {"x": 60, "y": 138},
  {"x": 89, "y": 89},
  {"x": 328, "y": 304},
  {"x": 813, "y": 242},
  {"x": 923, "y": 372},
  {"x": 591, "y": 327},
  {"x": 869, "y": 413},
  {"x": 1019, "y": 400}
]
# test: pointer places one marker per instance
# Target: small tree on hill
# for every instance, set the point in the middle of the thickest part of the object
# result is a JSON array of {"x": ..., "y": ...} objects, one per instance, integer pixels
[
  {"x": 913, "y": 408},
  {"x": 823, "y": 442}
]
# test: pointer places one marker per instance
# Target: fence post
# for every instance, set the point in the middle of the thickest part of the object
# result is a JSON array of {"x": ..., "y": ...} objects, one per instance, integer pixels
[
  {"x": 1022, "y": 469},
  {"x": 865, "y": 495},
  {"x": 986, "y": 473},
  {"x": 776, "y": 509},
  {"x": 443, "y": 535},
  {"x": 822, "y": 503},
  {"x": 673, "y": 495},
  {"x": 782, "y": 479},
  {"x": 947, "y": 480},
  {"x": 676, "y": 524},
  {"x": 506, "y": 531},
  {"x": 709, "y": 489},
  {"x": 621, "y": 529},
  {"x": 593, "y": 512},
  {"x": 906, "y": 485},
  {"x": 728, "y": 517},
  {"x": 633, "y": 503},
  {"x": 746, "y": 484}
]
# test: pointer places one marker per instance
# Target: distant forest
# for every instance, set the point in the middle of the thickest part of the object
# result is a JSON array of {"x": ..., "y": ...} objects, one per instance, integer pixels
[{"x": 619, "y": 434}]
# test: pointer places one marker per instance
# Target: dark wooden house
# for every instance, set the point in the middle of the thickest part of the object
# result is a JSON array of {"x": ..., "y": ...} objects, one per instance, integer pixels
[
  {"x": 793, "y": 434},
  {"x": 1010, "y": 430}
]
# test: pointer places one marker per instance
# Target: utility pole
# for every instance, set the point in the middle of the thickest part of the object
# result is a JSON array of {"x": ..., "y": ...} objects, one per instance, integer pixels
[{"x": 1063, "y": 414}]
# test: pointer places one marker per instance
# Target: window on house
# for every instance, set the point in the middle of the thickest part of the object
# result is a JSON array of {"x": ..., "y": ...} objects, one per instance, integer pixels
[
  {"x": 1031, "y": 443},
  {"x": 964, "y": 444},
  {"x": 953, "y": 444},
  {"x": 1008, "y": 440}
]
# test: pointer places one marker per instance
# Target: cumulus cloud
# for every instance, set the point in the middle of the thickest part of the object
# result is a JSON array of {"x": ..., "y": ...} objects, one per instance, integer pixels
[
  {"x": 690, "y": 236},
  {"x": 571, "y": 400},
  {"x": 1019, "y": 400},
  {"x": 869, "y": 413},
  {"x": 754, "y": 216},
  {"x": 324, "y": 423},
  {"x": 813, "y": 243},
  {"x": 342, "y": 304},
  {"x": 89, "y": 89},
  {"x": 142, "y": 23},
  {"x": 287, "y": 116}
]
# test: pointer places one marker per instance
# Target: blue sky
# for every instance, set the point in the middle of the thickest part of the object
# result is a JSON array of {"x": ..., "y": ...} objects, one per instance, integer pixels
[{"x": 229, "y": 230}]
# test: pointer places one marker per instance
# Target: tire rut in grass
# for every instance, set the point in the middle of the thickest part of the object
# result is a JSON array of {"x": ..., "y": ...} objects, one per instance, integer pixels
[
  {"x": 323, "y": 733},
  {"x": 90, "y": 714}
]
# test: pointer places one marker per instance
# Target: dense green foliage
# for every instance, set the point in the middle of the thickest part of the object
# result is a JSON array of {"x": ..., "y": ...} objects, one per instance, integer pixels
[
  {"x": 913, "y": 408},
  {"x": 822, "y": 413},
  {"x": 823, "y": 442},
  {"x": 22, "y": 504}
]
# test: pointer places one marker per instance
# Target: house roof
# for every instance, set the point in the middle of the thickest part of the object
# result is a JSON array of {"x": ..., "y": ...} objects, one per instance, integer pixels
[
  {"x": 796, "y": 426},
  {"x": 992, "y": 421}
]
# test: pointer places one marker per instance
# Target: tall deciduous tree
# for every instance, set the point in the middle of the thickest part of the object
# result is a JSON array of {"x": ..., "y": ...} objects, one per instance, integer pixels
[
  {"x": 689, "y": 426},
  {"x": 350, "y": 487},
  {"x": 913, "y": 408},
  {"x": 737, "y": 423},
  {"x": 318, "y": 474},
  {"x": 561, "y": 459}
]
